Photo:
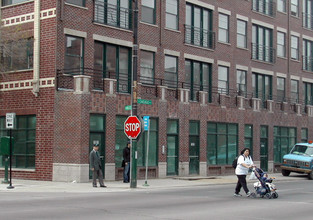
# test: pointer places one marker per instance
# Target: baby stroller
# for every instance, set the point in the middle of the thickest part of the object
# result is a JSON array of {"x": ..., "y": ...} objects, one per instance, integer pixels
[{"x": 264, "y": 187}]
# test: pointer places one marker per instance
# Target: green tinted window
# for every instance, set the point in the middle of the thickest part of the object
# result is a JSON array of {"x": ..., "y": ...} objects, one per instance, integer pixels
[
  {"x": 172, "y": 126},
  {"x": 96, "y": 123},
  {"x": 194, "y": 128}
]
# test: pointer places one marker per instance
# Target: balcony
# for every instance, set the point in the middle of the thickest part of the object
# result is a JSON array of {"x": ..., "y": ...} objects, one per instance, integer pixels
[
  {"x": 113, "y": 15},
  {"x": 263, "y": 53},
  {"x": 307, "y": 63},
  {"x": 199, "y": 37},
  {"x": 264, "y": 7}
]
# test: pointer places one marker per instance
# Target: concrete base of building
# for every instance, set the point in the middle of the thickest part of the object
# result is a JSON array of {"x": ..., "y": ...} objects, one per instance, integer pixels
[
  {"x": 203, "y": 169},
  {"x": 65, "y": 172},
  {"x": 183, "y": 169},
  {"x": 271, "y": 167},
  {"x": 162, "y": 169},
  {"x": 109, "y": 173}
]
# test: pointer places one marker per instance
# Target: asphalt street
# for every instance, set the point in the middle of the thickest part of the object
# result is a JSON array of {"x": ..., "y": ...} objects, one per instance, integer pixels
[{"x": 295, "y": 201}]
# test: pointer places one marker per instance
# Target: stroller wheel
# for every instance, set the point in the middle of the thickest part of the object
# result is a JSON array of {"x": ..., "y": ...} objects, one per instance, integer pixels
[
  {"x": 275, "y": 195},
  {"x": 268, "y": 195}
]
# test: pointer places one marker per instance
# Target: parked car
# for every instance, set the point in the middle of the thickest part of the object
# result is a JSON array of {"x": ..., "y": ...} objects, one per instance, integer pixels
[{"x": 299, "y": 160}]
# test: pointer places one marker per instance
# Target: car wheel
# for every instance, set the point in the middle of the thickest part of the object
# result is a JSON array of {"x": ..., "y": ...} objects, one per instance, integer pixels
[
  {"x": 285, "y": 172},
  {"x": 310, "y": 175}
]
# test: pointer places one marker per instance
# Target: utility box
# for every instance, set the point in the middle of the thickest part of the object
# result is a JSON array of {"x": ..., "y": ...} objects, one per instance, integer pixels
[{"x": 5, "y": 146}]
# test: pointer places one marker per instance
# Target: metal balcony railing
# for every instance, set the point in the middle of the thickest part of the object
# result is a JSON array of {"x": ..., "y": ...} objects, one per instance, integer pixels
[
  {"x": 307, "y": 63},
  {"x": 112, "y": 15},
  {"x": 264, "y": 7},
  {"x": 263, "y": 53},
  {"x": 199, "y": 37}
]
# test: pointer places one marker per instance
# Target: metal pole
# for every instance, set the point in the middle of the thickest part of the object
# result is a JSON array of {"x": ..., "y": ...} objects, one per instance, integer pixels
[
  {"x": 147, "y": 156},
  {"x": 133, "y": 174},
  {"x": 10, "y": 186}
]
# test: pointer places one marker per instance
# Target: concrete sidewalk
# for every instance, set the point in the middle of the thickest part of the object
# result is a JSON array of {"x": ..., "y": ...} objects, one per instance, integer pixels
[{"x": 119, "y": 186}]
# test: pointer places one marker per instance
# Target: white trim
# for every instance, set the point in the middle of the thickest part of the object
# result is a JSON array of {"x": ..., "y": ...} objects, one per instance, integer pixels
[
  {"x": 223, "y": 63},
  {"x": 307, "y": 80},
  {"x": 172, "y": 53},
  {"x": 294, "y": 33},
  {"x": 76, "y": 33},
  {"x": 224, "y": 11},
  {"x": 263, "y": 24},
  {"x": 240, "y": 67},
  {"x": 240, "y": 17},
  {"x": 112, "y": 40},
  {"x": 262, "y": 71},
  {"x": 282, "y": 75},
  {"x": 307, "y": 37},
  {"x": 148, "y": 48},
  {"x": 202, "y": 4},
  {"x": 295, "y": 77},
  {"x": 280, "y": 29},
  {"x": 26, "y": 84},
  {"x": 198, "y": 58}
]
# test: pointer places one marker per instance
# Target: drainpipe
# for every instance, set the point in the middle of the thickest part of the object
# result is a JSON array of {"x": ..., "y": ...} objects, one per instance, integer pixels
[{"x": 36, "y": 47}]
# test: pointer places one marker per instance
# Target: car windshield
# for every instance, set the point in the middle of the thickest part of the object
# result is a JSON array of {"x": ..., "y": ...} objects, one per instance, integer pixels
[{"x": 302, "y": 150}]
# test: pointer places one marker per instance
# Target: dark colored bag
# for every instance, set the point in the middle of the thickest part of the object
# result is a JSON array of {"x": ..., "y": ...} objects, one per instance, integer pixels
[
  {"x": 235, "y": 162},
  {"x": 123, "y": 163}
]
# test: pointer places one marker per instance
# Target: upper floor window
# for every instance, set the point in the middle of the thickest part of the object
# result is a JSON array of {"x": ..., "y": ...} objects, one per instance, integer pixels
[
  {"x": 148, "y": 11},
  {"x": 171, "y": 71},
  {"x": 242, "y": 82},
  {"x": 223, "y": 28},
  {"x": 281, "y": 6},
  {"x": 77, "y": 2},
  {"x": 262, "y": 44},
  {"x": 74, "y": 54},
  {"x": 294, "y": 91},
  {"x": 307, "y": 63},
  {"x": 198, "y": 28},
  {"x": 281, "y": 89},
  {"x": 241, "y": 33},
  {"x": 294, "y": 47},
  {"x": 308, "y": 14},
  {"x": 308, "y": 93},
  {"x": 294, "y": 8},
  {"x": 223, "y": 82},
  {"x": 262, "y": 86},
  {"x": 115, "y": 13},
  {"x": 281, "y": 44},
  {"x": 147, "y": 67},
  {"x": 16, "y": 55},
  {"x": 304, "y": 135},
  {"x": 171, "y": 14},
  {"x": 263, "y": 6},
  {"x": 11, "y": 2}
]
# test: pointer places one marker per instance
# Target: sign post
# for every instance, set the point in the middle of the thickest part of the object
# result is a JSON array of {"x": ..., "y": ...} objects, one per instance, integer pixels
[
  {"x": 146, "y": 120},
  {"x": 10, "y": 124}
]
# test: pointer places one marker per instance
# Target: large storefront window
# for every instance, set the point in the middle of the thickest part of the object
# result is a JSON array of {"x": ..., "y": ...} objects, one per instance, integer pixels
[
  {"x": 222, "y": 143},
  {"x": 284, "y": 139},
  {"x": 24, "y": 141}
]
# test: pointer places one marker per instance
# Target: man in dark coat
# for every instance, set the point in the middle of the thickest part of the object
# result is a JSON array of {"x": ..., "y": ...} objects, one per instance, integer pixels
[
  {"x": 126, "y": 158},
  {"x": 95, "y": 165}
]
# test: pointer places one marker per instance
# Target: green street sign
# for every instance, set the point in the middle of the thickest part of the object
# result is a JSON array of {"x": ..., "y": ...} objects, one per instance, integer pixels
[
  {"x": 128, "y": 107},
  {"x": 145, "y": 102}
]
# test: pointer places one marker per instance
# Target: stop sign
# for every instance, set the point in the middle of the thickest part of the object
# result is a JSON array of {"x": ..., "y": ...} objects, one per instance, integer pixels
[{"x": 132, "y": 127}]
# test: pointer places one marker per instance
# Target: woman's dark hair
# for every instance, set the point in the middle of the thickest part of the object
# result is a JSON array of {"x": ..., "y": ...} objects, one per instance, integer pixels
[{"x": 245, "y": 150}]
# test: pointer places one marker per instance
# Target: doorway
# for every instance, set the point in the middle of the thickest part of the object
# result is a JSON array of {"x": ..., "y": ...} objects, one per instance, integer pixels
[
  {"x": 194, "y": 148},
  {"x": 264, "y": 148}
]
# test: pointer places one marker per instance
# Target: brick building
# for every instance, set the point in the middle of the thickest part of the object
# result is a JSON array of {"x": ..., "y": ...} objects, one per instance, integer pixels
[{"x": 220, "y": 75}]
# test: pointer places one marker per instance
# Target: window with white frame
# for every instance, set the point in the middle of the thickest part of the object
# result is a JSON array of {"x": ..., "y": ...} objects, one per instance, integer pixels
[
  {"x": 242, "y": 82},
  {"x": 281, "y": 44},
  {"x": 223, "y": 28},
  {"x": 280, "y": 89},
  {"x": 171, "y": 72},
  {"x": 241, "y": 33},
  {"x": 223, "y": 84},
  {"x": 148, "y": 11},
  {"x": 294, "y": 8},
  {"x": 294, "y": 47},
  {"x": 294, "y": 91},
  {"x": 171, "y": 14},
  {"x": 281, "y": 6}
]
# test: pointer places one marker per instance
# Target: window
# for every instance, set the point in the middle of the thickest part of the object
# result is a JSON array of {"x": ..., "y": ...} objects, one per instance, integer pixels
[
  {"x": 249, "y": 138},
  {"x": 115, "y": 13},
  {"x": 120, "y": 139},
  {"x": 76, "y": 2},
  {"x": 294, "y": 48},
  {"x": 294, "y": 91},
  {"x": 242, "y": 82},
  {"x": 74, "y": 54},
  {"x": 223, "y": 84},
  {"x": 172, "y": 146},
  {"x": 171, "y": 75},
  {"x": 24, "y": 141},
  {"x": 147, "y": 67},
  {"x": 294, "y": 8},
  {"x": 281, "y": 44},
  {"x": 281, "y": 89},
  {"x": 223, "y": 28},
  {"x": 198, "y": 78},
  {"x": 222, "y": 143},
  {"x": 263, "y": 6},
  {"x": 241, "y": 34},
  {"x": 308, "y": 93},
  {"x": 11, "y": 2},
  {"x": 198, "y": 27},
  {"x": 307, "y": 55},
  {"x": 114, "y": 61},
  {"x": 284, "y": 139},
  {"x": 262, "y": 44},
  {"x": 148, "y": 11},
  {"x": 262, "y": 86},
  {"x": 153, "y": 145},
  {"x": 172, "y": 14},
  {"x": 304, "y": 135},
  {"x": 281, "y": 6},
  {"x": 307, "y": 14},
  {"x": 16, "y": 55}
]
